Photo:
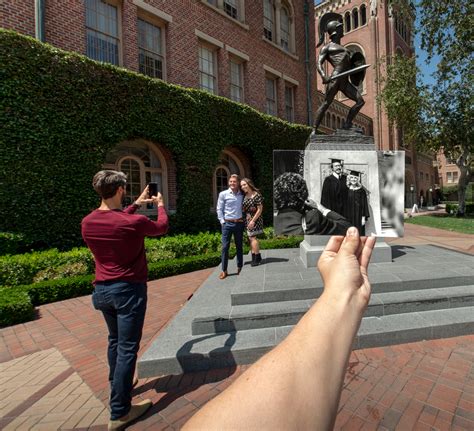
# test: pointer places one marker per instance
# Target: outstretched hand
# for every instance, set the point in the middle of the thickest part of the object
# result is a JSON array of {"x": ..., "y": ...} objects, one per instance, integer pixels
[{"x": 343, "y": 267}]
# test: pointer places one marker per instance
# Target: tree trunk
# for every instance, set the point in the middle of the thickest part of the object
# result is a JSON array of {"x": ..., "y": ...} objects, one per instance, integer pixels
[{"x": 463, "y": 163}]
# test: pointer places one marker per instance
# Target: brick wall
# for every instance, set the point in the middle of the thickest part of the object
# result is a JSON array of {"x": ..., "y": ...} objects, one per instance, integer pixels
[{"x": 65, "y": 28}]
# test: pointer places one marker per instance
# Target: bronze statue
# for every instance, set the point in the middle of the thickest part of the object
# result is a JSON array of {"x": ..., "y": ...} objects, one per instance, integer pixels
[{"x": 349, "y": 69}]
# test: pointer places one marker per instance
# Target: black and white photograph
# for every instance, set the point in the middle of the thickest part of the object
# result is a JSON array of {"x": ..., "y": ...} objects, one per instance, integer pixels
[{"x": 325, "y": 192}]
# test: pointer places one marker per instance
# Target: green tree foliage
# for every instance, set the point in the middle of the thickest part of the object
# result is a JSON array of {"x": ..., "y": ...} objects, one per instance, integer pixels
[
  {"x": 439, "y": 117},
  {"x": 60, "y": 113}
]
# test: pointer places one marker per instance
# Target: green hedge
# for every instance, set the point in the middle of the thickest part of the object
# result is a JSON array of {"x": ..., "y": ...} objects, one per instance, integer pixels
[
  {"x": 15, "y": 307},
  {"x": 61, "y": 113},
  {"x": 16, "y": 303}
]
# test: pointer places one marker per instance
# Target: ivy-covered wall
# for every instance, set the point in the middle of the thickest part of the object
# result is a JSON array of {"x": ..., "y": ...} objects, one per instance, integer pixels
[{"x": 60, "y": 113}]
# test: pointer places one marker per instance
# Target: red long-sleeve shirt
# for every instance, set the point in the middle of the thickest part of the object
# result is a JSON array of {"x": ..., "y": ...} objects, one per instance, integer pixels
[{"x": 116, "y": 239}]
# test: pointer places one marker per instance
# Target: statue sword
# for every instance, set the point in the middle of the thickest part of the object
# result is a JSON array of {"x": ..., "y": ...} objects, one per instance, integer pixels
[{"x": 349, "y": 72}]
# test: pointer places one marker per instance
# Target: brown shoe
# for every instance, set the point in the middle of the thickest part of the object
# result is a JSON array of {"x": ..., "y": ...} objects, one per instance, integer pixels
[
  {"x": 135, "y": 412},
  {"x": 238, "y": 270},
  {"x": 223, "y": 275}
]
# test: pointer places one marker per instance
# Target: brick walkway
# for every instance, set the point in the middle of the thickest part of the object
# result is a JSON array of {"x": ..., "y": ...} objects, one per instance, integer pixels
[{"x": 53, "y": 371}]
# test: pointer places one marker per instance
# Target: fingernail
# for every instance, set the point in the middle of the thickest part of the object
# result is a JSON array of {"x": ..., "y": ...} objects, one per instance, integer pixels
[{"x": 352, "y": 231}]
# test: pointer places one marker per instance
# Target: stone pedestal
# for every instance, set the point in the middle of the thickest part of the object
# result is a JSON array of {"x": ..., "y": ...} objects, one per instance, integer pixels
[{"x": 313, "y": 246}]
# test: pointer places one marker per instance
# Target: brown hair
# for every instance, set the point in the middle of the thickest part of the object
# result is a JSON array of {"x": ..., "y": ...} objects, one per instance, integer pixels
[
  {"x": 235, "y": 176},
  {"x": 251, "y": 185},
  {"x": 106, "y": 183}
]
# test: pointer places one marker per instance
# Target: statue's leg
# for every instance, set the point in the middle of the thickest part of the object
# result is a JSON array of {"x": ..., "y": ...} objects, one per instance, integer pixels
[
  {"x": 352, "y": 93},
  {"x": 331, "y": 91}
]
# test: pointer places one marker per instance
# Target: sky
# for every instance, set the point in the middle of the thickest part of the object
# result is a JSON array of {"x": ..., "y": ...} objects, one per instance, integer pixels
[{"x": 426, "y": 69}]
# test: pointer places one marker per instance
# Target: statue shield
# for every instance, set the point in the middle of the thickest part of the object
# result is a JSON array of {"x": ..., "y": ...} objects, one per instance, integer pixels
[{"x": 357, "y": 59}]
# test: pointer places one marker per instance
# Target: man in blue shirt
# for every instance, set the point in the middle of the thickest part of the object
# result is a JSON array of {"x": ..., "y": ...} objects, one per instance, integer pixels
[{"x": 229, "y": 213}]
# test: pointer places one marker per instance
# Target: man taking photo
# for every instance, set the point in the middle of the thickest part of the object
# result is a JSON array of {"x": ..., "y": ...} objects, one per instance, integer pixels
[{"x": 116, "y": 239}]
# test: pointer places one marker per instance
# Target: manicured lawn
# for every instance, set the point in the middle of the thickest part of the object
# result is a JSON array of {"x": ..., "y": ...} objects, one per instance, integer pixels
[{"x": 463, "y": 225}]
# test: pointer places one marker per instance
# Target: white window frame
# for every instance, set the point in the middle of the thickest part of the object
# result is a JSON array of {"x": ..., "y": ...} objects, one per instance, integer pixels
[
  {"x": 291, "y": 117},
  {"x": 213, "y": 50},
  {"x": 162, "y": 170},
  {"x": 108, "y": 35},
  {"x": 274, "y": 101},
  {"x": 269, "y": 22},
  {"x": 237, "y": 85}
]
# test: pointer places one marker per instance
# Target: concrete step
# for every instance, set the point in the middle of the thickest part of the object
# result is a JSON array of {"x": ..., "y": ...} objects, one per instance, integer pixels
[
  {"x": 289, "y": 288},
  {"x": 242, "y": 347},
  {"x": 267, "y": 315}
]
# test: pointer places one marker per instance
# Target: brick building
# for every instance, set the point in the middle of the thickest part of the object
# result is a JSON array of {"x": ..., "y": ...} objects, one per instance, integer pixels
[
  {"x": 260, "y": 53},
  {"x": 374, "y": 29}
]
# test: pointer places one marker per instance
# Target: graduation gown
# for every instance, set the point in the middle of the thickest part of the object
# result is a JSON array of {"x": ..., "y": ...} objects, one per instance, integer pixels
[
  {"x": 334, "y": 193},
  {"x": 357, "y": 207}
]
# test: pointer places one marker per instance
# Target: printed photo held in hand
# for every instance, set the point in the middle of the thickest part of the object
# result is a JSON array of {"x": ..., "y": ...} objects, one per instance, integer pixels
[{"x": 298, "y": 384}]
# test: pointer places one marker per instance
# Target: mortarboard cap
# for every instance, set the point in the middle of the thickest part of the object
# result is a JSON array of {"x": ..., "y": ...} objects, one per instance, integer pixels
[
  {"x": 337, "y": 161},
  {"x": 355, "y": 173}
]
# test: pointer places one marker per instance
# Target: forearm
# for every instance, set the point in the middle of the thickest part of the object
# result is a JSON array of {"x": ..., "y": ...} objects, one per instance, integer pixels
[{"x": 296, "y": 385}]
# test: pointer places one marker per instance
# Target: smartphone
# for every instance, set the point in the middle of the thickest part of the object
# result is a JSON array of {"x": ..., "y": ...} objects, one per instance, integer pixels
[{"x": 152, "y": 189}]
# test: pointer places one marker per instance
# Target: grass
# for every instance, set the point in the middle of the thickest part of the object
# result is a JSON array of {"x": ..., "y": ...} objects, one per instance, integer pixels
[{"x": 453, "y": 224}]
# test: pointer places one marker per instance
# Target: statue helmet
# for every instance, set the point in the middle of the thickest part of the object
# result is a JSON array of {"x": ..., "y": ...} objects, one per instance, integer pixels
[
  {"x": 329, "y": 22},
  {"x": 332, "y": 27}
]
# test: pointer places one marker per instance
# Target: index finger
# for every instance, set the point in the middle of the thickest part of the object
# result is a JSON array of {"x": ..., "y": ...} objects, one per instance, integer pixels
[{"x": 367, "y": 251}]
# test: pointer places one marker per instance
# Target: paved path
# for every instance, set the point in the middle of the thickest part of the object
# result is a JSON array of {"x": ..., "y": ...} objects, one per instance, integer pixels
[{"x": 53, "y": 371}]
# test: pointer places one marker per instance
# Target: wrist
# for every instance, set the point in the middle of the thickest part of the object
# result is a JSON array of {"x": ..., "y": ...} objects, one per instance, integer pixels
[{"x": 136, "y": 203}]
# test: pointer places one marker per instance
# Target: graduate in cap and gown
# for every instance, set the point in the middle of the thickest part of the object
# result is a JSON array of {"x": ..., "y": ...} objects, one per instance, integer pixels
[
  {"x": 357, "y": 206},
  {"x": 334, "y": 193}
]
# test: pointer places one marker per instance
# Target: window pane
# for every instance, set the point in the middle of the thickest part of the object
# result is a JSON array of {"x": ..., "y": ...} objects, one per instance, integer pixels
[
  {"x": 268, "y": 19},
  {"x": 289, "y": 104},
  {"x": 102, "y": 31},
  {"x": 285, "y": 29},
  {"x": 221, "y": 180},
  {"x": 270, "y": 92},
  {"x": 230, "y": 8},
  {"x": 207, "y": 78},
  {"x": 236, "y": 86}
]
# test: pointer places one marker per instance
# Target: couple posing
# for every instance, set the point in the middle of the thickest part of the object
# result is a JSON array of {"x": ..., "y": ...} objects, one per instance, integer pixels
[
  {"x": 344, "y": 194},
  {"x": 240, "y": 207}
]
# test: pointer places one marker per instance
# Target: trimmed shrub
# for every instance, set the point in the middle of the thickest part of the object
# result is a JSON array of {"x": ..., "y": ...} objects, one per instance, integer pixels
[
  {"x": 15, "y": 307},
  {"x": 453, "y": 208},
  {"x": 49, "y": 291}
]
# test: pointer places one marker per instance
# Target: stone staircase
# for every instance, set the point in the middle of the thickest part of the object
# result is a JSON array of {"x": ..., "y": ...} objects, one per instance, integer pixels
[{"x": 427, "y": 292}]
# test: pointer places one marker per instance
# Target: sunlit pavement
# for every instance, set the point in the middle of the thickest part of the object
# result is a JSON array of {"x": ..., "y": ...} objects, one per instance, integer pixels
[{"x": 53, "y": 371}]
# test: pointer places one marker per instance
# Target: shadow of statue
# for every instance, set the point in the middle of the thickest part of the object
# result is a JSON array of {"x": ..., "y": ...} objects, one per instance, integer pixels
[{"x": 198, "y": 368}]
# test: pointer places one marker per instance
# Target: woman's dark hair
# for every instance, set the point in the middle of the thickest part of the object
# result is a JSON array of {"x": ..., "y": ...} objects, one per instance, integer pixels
[
  {"x": 251, "y": 185},
  {"x": 290, "y": 191}
]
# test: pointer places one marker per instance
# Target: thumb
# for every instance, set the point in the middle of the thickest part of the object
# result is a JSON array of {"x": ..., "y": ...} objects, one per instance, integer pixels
[{"x": 351, "y": 242}]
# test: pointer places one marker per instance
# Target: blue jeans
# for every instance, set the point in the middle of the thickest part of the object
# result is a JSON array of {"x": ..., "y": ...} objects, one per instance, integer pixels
[
  {"x": 237, "y": 229},
  {"x": 123, "y": 305}
]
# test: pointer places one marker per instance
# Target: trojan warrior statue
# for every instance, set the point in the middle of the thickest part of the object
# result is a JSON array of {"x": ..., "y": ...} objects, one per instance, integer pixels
[{"x": 348, "y": 69}]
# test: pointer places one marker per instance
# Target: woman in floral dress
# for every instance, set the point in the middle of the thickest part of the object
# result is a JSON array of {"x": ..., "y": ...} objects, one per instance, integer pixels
[{"x": 252, "y": 206}]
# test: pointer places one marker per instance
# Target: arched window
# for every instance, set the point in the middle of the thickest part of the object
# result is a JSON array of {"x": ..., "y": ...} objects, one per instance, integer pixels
[
  {"x": 285, "y": 28},
  {"x": 347, "y": 21},
  {"x": 338, "y": 122},
  {"x": 333, "y": 122},
  {"x": 269, "y": 19},
  {"x": 355, "y": 18},
  {"x": 328, "y": 119},
  {"x": 228, "y": 164},
  {"x": 363, "y": 15},
  {"x": 143, "y": 163}
]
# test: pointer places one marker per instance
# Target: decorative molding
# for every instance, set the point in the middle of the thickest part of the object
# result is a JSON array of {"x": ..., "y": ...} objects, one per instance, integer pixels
[
  {"x": 237, "y": 53},
  {"x": 291, "y": 80},
  {"x": 295, "y": 57},
  {"x": 221, "y": 12},
  {"x": 272, "y": 71},
  {"x": 209, "y": 39},
  {"x": 153, "y": 10}
]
